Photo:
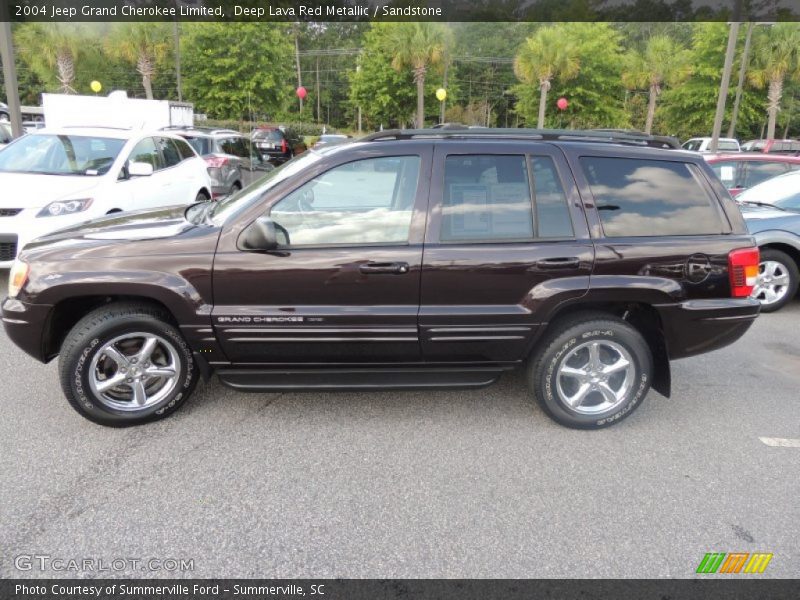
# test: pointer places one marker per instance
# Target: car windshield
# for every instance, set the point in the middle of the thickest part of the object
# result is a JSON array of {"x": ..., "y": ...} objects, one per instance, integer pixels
[
  {"x": 773, "y": 191},
  {"x": 51, "y": 154},
  {"x": 271, "y": 135},
  {"x": 224, "y": 209}
]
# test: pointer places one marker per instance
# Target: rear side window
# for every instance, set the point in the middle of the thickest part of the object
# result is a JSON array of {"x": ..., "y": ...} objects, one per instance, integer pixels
[
  {"x": 552, "y": 214},
  {"x": 486, "y": 198},
  {"x": 729, "y": 173},
  {"x": 636, "y": 197},
  {"x": 184, "y": 149}
]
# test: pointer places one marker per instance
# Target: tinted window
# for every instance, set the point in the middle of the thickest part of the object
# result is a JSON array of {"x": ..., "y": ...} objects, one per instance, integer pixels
[
  {"x": 171, "y": 155},
  {"x": 791, "y": 202},
  {"x": 486, "y": 198},
  {"x": 228, "y": 146},
  {"x": 184, "y": 149},
  {"x": 649, "y": 197},
  {"x": 761, "y": 171},
  {"x": 146, "y": 152},
  {"x": 201, "y": 145},
  {"x": 363, "y": 202},
  {"x": 552, "y": 214},
  {"x": 240, "y": 149},
  {"x": 272, "y": 135}
]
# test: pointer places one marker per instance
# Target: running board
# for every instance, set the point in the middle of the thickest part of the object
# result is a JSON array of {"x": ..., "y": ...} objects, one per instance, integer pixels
[{"x": 299, "y": 380}]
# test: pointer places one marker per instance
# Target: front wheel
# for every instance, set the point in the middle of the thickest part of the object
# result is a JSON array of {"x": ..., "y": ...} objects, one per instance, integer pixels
[
  {"x": 777, "y": 280},
  {"x": 591, "y": 372},
  {"x": 125, "y": 364}
]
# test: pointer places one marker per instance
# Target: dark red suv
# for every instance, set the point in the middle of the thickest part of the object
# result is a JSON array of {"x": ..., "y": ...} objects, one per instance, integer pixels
[{"x": 409, "y": 259}]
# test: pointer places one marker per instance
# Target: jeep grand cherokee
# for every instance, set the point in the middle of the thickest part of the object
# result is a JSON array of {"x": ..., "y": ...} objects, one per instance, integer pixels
[{"x": 409, "y": 259}]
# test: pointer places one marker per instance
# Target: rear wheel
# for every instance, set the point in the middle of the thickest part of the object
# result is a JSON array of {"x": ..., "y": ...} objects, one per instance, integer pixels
[
  {"x": 591, "y": 371},
  {"x": 125, "y": 364},
  {"x": 777, "y": 280}
]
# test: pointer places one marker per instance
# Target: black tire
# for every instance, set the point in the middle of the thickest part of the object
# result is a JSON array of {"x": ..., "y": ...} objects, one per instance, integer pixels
[
  {"x": 568, "y": 342},
  {"x": 236, "y": 187},
  {"x": 789, "y": 267},
  {"x": 88, "y": 337},
  {"x": 202, "y": 196}
]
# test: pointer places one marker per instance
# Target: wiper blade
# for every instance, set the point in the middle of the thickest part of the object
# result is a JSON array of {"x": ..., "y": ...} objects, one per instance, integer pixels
[{"x": 764, "y": 204}]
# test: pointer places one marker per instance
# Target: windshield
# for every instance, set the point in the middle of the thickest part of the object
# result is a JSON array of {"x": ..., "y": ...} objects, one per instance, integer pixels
[
  {"x": 773, "y": 191},
  {"x": 252, "y": 193},
  {"x": 271, "y": 135},
  {"x": 50, "y": 154}
]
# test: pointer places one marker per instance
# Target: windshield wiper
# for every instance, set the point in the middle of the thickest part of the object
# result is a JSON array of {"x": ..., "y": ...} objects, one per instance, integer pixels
[{"x": 764, "y": 204}]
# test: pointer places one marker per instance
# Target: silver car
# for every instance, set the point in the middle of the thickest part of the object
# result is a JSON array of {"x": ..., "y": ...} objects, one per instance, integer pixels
[{"x": 5, "y": 134}]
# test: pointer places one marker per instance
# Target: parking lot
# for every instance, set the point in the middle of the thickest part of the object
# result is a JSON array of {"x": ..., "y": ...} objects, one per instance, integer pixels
[{"x": 447, "y": 484}]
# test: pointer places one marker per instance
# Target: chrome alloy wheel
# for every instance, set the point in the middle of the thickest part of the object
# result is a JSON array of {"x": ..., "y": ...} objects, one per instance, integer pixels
[
  {"x": 772, "y": 284},
  {"x": 134, "y": 371},
  {"x": 595, "y": 377}
]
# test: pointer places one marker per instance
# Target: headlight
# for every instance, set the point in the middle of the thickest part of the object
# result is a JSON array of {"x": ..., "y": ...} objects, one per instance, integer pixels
[
  {"x": 65, "y": 207},
  {"x": 17, "y": 277}
]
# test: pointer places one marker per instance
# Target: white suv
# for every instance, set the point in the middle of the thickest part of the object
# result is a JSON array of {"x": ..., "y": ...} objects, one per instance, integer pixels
[
  {"x": 703, "y": 144},
  {"x": 55, "y": 178}
]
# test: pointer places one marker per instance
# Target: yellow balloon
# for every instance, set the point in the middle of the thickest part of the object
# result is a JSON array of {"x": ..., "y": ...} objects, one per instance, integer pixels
[
  {"x": 96, "y": 86},
  {"x": 441, "y": 94}
]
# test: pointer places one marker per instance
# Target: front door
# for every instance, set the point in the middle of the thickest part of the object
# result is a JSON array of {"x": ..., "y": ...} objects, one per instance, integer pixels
[
  {"x": 343, "y": 286},
  {"x": 507, "y": 243}
]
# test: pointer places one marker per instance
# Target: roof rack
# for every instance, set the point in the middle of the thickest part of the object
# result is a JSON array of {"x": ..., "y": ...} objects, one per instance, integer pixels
[{"x": 610, "y": 136}]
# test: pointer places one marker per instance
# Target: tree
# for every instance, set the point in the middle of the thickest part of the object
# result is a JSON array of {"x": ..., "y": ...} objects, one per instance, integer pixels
[
  {"x": 418, "y": 46},
  {"x": 51, "y": 45},
  {"x": 545, "y": 55},
  {"x": 662, "y": 62},
  {"x": 142, "y": 43},
  {"x": 251, "y": 73},
  {"x": 775, "y": 58}
]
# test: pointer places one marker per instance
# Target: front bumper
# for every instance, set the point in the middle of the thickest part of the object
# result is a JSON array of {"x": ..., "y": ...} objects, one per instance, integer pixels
[
  {"x": 25, "y": 325},
  {"x": 699, "y": 326}
]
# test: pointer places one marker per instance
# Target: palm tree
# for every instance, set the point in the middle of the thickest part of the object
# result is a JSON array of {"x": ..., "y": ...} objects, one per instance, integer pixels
[
  {"x": 544, "y": 56},
  {"x": 52, "y": 45},
  {"x": 663, "y": 62},
  {"x": 142, "y": 43},
  {"x": 775, "y": 57},
  {"x": 419, "y": 46}
]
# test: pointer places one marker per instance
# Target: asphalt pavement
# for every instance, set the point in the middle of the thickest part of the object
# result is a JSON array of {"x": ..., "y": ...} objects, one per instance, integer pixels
[{"x": 416, "y": 484}]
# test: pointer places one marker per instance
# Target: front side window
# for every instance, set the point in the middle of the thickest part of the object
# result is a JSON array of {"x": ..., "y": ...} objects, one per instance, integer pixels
[
  {"x": 146, "y": 152},
  {"x": 486, "y": 198},
  {"x": 638, "y": 197},
  {"x": 363, "y": 202},
  {"x": 184, "y": 149},
  {"x": 170, "y": 152}
]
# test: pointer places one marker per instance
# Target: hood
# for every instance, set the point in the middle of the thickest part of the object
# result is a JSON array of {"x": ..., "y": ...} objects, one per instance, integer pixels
[
  {"x": 762, "y": 212},
  {"x": 762, "y": 219},
  {"x": 28, "y": 190},
  {"x": 157, "y": 231}
]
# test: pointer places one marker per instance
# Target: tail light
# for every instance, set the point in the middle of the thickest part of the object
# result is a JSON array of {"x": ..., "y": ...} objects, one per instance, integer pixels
[
  {"x": 743, "y": 271},
  {"x": 215, "y": 162},
  {"x": 284, "y": 146}
]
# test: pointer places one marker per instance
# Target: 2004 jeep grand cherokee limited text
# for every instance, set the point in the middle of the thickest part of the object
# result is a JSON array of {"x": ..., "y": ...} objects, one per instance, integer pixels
[{"x": 410, "y": 259}]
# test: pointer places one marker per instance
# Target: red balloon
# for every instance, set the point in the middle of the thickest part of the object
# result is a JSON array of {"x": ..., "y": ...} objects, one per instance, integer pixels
[
  {"x": 562, "y": 104},
  {"x": 302, "y": 92}
]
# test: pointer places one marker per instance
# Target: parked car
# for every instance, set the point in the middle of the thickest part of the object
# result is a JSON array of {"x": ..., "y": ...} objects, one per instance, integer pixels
[
  {"x": 5, "y": 134},
  {"x": 276, "y": 145},
  {"x": 56, "y": 178},
  {"x": 331, "y": 139},
  {"x": 790, "y": 147},
  {"x": 4, "y": 114},
  {"x": 782, "y": 192},
  {"x": 742, "y": 170},
  {"x": 232, "y": 160},
  {"x": 777, "y": 233},
  {"x": 703, "y": 144},
  {"x": 589, "y": 259}
]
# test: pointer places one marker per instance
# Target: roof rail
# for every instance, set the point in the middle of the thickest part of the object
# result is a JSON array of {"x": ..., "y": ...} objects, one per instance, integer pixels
[{"x": 578, "y": 135}]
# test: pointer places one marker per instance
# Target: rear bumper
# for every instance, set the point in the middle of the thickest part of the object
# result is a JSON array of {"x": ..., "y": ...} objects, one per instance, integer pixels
[
  {"x": 698, "y": 326},
  {"x": 25, "y": 324}
]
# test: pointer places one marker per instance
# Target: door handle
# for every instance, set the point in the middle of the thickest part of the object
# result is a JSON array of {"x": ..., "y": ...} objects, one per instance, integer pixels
[
  {"x": 391, "y": 268},
  {"x": 566, "y": 262}
]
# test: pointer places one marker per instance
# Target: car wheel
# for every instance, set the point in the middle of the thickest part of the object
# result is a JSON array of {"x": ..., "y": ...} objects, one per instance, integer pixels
[
  {"x": 236, "y": 187},
  {"x": 201, "y": 197},
  {"x": 591, "y": 371},
  {"x": 777, "y": 280},
  {"x": 125, "y": 364}
]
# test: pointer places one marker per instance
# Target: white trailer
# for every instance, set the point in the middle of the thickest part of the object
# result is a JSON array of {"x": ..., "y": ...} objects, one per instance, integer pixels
[{"x": 114, "y": 110}]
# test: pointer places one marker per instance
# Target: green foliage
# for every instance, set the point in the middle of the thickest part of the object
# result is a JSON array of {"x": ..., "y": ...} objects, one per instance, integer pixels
[{"x": 235, "y": 69}]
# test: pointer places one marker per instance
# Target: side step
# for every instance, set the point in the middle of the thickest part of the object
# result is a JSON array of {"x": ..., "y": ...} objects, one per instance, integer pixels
[{"x": 346, "y": 378}]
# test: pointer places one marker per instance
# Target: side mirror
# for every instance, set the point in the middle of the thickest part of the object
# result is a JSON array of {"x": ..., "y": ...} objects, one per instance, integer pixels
[
  {"x": 261, "y": 234},
  {"x": 139, "y": 169}
]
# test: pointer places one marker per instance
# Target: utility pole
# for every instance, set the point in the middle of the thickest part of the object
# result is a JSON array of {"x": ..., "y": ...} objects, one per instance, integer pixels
[
  {"x": 740, "y": 84},
  {"x": 724, "y": 85},
  {"x": 9, "y": 71},
  {"x": 297, "y": 61},
  {"x": 319, "y": 114},
  {"x": 358, "y": 70}
]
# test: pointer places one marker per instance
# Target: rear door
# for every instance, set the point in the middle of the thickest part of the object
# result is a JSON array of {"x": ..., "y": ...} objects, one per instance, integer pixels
[
  {"x": 343, "y": 287},
  {"x": 507, "y": 241}
]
